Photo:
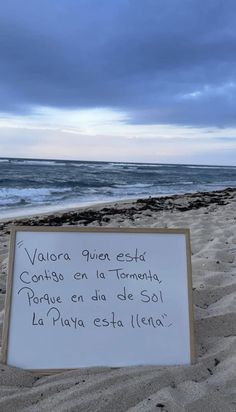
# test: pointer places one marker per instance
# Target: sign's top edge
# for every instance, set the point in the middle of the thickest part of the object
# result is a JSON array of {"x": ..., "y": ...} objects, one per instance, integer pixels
[{"x": 99, "y": 229}]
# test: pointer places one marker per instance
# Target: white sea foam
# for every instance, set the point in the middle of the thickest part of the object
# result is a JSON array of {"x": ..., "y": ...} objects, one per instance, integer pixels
[
  {"x": 12, "y": 196},
  {"x": 33, "y": 162},
  {"x": 209, "y": 167},
  {"x": 133, "y": 186}
]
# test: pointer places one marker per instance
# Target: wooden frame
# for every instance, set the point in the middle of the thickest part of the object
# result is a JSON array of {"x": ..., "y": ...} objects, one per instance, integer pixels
[{"x": 8, "y": 300}]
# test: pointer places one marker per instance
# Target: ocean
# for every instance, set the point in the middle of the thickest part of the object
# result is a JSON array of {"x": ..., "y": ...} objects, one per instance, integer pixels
[{"x": 30, "y": 186}]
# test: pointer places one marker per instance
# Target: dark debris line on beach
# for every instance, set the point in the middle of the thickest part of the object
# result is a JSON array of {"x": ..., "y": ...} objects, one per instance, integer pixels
[{"x": 180, "y": 203}]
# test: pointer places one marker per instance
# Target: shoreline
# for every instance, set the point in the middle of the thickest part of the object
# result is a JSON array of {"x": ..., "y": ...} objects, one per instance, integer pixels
[
  {"x": 128, "y": 207},
  {"x": 31, "y": 211}
]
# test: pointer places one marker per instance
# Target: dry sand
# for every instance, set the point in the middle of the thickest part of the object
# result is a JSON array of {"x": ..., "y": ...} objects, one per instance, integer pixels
[{"x": 210, "y": 384}]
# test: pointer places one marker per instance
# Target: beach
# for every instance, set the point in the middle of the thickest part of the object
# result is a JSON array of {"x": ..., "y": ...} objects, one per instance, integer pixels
[{"x": 207, "y": 385}]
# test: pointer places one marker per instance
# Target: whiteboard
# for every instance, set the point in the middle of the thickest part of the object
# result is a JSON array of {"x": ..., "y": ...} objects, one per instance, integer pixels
[{"x": 83, "y": 297}]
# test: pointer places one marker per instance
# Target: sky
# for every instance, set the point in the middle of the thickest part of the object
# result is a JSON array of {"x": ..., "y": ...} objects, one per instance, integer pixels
[{"x": 125, "y": 80}]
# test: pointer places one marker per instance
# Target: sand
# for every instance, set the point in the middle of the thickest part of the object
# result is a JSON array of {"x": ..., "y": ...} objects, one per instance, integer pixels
[{"x": 208, "y": 385}]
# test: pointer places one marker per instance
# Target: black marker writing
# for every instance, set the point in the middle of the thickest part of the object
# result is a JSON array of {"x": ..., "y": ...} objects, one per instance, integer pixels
[
  {"x": 124, "y": 295},
  {"x": 37, "y": 321},
  {"x": 148, "y": 275},
  {"x": 27, "y": 278},
  {"x": 128, "y": 257},
  {"x": 151, "y": 296},
  {"x": 46, "y": 298},
  {"x": 77, "y": 298},
  {"x": 98, "y": 296},
  {"x": 139, "y": 321},
  {"x": 112, "y": 322},
  {"x": 95, "y": 255},
  {"x": 46, "y": 256},
  {"x": 80, "y": 276},
  {"x": 57, "y": 320}
]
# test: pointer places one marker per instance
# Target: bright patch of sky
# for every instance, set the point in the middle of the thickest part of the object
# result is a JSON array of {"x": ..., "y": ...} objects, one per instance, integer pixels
[{"x": 105, "y": 134}]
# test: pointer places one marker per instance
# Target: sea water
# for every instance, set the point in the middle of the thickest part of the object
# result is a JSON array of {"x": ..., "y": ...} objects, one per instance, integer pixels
[{"x": 34, "y": 186}]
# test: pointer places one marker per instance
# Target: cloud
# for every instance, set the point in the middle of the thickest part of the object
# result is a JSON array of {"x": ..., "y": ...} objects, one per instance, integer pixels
[{"x": 161, "y": 62}]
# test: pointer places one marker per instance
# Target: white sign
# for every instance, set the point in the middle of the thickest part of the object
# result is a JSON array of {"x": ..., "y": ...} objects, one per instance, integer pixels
[{"x": 81, "y": 297}]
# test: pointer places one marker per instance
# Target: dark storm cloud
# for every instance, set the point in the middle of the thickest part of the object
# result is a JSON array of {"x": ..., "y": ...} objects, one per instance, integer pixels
[{"x": 162, "y": 61}]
